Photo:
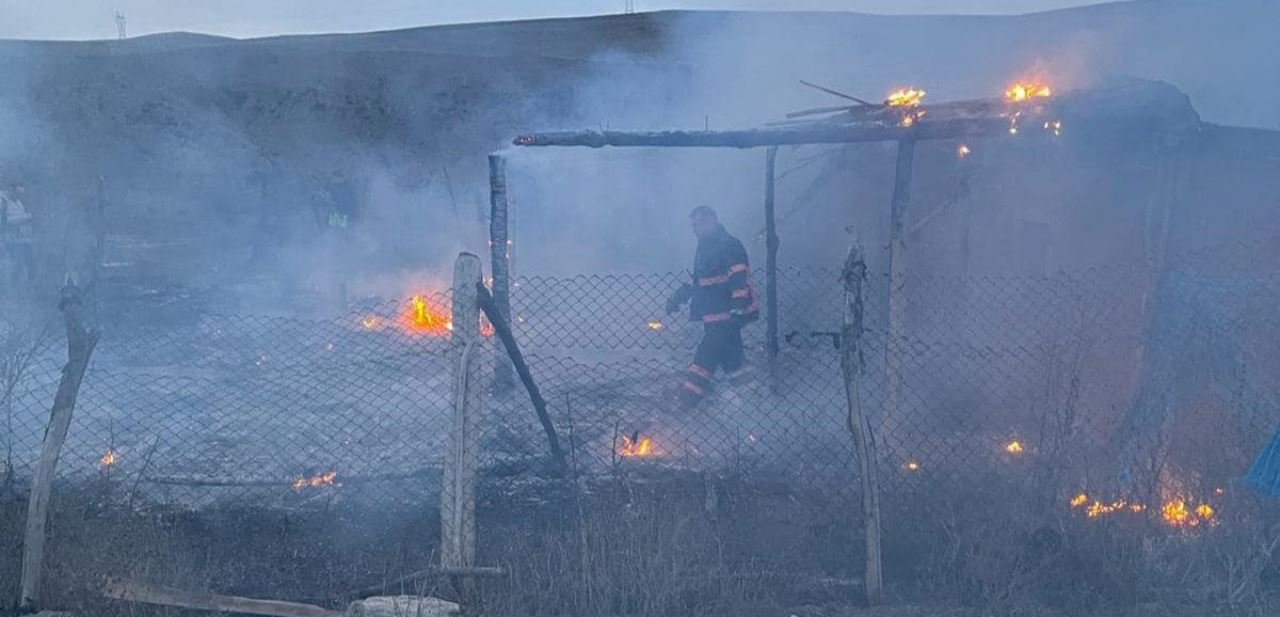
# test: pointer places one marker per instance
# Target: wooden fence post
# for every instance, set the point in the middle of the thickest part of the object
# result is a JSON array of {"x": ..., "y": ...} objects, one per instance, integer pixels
[
  {"x": 771, "y": 244},
  {"x": 500, "y": 256},
  {"x": 457, "y": 493},
  {"x": 897, "y": 291},
  {"x": 80, "y": 343},
  {"x": 851, "y": 363}
]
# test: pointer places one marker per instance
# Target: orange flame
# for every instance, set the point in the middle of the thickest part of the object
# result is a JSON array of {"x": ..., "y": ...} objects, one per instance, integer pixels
[
  {"x": 324, "y": 479},
  {"x": 1020, "y": 92},
  {"x": 636, "y": 446},
  {"x": 108, "y": 459},
  {"x": 904, "y": 97},
  {"x": 422, "y": 318},
  {"x": 1014, "y": 447}
]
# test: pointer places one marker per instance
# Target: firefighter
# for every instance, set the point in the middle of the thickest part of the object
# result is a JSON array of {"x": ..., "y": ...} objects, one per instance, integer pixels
[{"x": 723, "y": 299}]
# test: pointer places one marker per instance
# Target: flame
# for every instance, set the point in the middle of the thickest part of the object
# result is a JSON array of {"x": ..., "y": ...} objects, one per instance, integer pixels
[
  {"x": 904, "y": 97},
  {"x": 654, "y": 324},
  {"x": 1014, "y": 447},
  {"x": 324, "y": 479},
  {"x": 911, "y": 465},
  {"x": 1204, "y": 511},
  {"x": 426, "y": 319},
  {"x": 963, "y": 150},
  {"x": 636, "y": 446},
  {"x": 108, "y": 459},
  {"x": 1175, "y": 513},
  {"x": 1020, "y": 92},
  {"x": 1079, "y": 500}
]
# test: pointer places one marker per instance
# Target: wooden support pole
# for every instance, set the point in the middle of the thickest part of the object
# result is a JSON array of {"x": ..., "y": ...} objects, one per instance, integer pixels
[
  {"x": 457, "y": 494},
  {"x": 851, "y": 363},
  {"x": 897, "y": 283},
  {"x": 80, "y": 343},
  {"x": 134, "y": 591},
  {"x": 771, "y": 244},
  {"x": 500, "y": 254},
  {"x": 503, "y": 329}
]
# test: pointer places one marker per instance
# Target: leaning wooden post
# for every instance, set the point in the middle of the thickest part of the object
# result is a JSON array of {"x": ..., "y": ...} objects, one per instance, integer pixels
[
  {"x": 500, "y": 255},
  {"x": 854, "y": 275},
  {"x": 897, "y": 282},
  {"x": 457, "y": 493},
  {"x": 771, "y": 244},
  {"x": 80, "y": 343}
]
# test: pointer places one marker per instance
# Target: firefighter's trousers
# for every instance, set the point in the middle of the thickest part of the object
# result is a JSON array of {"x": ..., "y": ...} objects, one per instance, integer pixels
[{"x": 719, "y": 349}]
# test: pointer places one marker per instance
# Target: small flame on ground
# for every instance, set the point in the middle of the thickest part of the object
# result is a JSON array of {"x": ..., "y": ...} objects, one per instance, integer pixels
[
  {"x": 1079, "y": 500},
  {"x": 654, "y": 324},
  {"x": 963, "y": 150},
  {"x": 324, "y": 479},
  {"x": 1014, "y": 447},
  {"x": 911, "y": 465},
  {"x": 904, "y": 97},
  {"x": 636, "y": 446},
  {"x": 423, "y": 318},
  {"x": 370, "y": 322},
  {"x": 108, "y": 459},
  {"x": 1019, "y": 92},
  {"x": 1174, "y": 512}
]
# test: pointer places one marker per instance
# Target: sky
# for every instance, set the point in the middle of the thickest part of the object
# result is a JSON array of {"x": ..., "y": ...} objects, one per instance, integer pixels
[{"x": 94, "y": 19}]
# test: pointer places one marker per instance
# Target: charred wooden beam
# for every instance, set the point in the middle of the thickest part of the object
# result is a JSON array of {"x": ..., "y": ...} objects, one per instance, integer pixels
[
  {"x": 502, "y": 328},
  {"x": 970, "y": 128},
  {"x": 771, "y": 246},
  {"x": 500, "y": 253}
]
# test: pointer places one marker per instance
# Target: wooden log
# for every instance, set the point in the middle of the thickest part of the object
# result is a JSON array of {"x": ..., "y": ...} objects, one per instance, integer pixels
[
  {"x": 500, "y": 254},
  {"x": 134, "y": 591},
  {"x": 503, "y": 329},
  {"x": 817, "y": 133},
  {"x": 851, "y": 363},
  {"x": 80, "y": 344},
  {"x": 897, "y": 291},
  {"x": 771, "y": 245},
  {"x": 457, "y": 494}
]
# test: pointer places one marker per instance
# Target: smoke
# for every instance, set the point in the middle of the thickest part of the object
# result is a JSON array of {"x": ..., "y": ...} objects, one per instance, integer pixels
[{"x": 220, "y": 156}]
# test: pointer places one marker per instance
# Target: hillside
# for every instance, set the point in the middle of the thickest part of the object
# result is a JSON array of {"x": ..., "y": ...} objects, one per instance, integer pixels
[{"x": 213, "y": 149}]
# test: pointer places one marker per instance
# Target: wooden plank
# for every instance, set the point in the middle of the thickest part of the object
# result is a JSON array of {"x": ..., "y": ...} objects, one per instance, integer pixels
[
  {"x": 80, "y": 344},
  {"x": 771, "y": 257},
  {"x": 457, "y": 495},
  {"x": 851, "y": 363},
  {"x": 134, "y": 591}
]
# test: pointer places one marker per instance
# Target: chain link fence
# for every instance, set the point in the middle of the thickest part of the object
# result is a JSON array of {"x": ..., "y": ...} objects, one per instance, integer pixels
[{"x": 1093, "y": 394}]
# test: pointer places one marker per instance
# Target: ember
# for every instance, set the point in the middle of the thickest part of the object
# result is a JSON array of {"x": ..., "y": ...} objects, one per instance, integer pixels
[
  {"x": 370, "y": 322},
  {"x": 911, "y": 465},
  {"x": 324, "y": 479},
  {"x": 906, "y": 97},
  {"x": 1014, "y": 447},
  {"x": 963, "y": 150},
  {"x": 1020, "y": 92},
  {"x": 654, "y": 324},
  {"x": 108, "y": 459}
]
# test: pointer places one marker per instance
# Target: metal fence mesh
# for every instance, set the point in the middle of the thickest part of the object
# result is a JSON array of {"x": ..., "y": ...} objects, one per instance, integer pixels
[{"x": 1087, "y": 389}]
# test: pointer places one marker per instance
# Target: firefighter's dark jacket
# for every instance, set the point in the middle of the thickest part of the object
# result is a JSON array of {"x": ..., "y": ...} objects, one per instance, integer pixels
[{"x": 722, "y": 287}]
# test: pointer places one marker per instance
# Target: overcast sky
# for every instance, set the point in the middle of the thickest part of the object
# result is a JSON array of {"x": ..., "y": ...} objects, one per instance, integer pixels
[{"x": 87, "y": 19}]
